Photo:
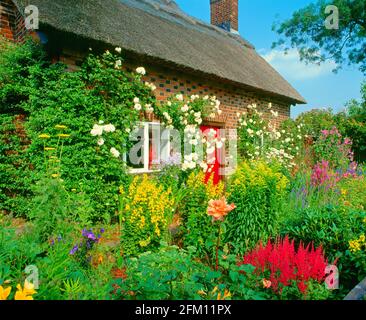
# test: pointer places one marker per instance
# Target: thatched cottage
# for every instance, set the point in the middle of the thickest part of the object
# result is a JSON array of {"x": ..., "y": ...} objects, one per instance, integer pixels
[{"x": 181, "y": 54}]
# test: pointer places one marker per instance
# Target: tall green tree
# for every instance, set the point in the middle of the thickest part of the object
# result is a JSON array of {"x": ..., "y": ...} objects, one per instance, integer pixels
[
  {"x": 344, "y": 42},
  {"x": 357, "y": 109}
]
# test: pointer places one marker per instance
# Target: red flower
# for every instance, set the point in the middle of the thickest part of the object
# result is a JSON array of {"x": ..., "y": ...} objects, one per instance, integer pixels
[{"x": 286, "y": 265}]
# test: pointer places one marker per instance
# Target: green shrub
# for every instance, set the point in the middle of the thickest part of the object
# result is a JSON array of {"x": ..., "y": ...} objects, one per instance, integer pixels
[
  {"x": 199, "y": 231},
  {"x": 257, "y": 190},
  {"x": 332, "y": 227},
  {"x": 173, "y": 273},
  {"x": 99, "y": 92}
]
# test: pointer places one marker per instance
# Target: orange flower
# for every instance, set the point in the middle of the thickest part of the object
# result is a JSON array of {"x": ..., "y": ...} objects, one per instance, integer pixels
[
  {"x": 218, "y": 209},
  {"x": 266, "y": 283}
]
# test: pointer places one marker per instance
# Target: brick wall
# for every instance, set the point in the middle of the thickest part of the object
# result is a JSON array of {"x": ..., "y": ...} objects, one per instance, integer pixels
[
  {"x": 169, "y": 82},
  {"x": 232, "y": 100},
  {"x": 11, "y": 21},
  {"x": 225, "y": 13}
]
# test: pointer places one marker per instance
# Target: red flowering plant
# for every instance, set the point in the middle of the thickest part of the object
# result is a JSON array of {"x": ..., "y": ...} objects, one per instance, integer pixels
[{"x": 287, "y": 271}]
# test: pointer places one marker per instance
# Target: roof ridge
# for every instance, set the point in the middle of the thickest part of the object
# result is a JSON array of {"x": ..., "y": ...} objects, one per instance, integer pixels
[{"x": 172, "y": 8}]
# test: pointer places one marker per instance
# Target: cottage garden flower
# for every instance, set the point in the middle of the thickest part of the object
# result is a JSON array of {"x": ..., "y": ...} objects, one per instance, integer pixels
[{"x": 260, "y": 138}]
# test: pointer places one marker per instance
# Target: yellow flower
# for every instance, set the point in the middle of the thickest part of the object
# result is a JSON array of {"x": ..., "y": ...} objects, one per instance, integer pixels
[
  {"x": 26, "y": 293},
  {"x": 343, "y": 192},
  {"x": 225, "y": 296},
  {"x": 49, "y": 148},
  {"x": 55, "y": 175},
  {"x": 63, "y": 135},
  {"x": 362, "y": 238},
  {"x": 60, "y": 127},
  {"x": 4, "y": 293},
  {"x": 100, "y": 259},
  {"x": 44, "y": 136},
  {"x": 145, "y": 243},
  {"x": 354, "y": 245},
  {"x": 202, "y": 293}
]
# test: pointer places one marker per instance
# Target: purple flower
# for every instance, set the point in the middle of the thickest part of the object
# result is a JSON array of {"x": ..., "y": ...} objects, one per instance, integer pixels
[
  {"x": 91, "y": 236},
  {"x": 74, "y": 249},
  {"x": 102, "y": 230}
]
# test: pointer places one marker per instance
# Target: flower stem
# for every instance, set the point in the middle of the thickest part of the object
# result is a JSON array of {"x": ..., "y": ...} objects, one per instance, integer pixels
[{"x": 217, "y": 248}]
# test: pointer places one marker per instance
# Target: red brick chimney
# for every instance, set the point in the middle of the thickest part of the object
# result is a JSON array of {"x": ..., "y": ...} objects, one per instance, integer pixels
[{"x": 224, "y": 14}]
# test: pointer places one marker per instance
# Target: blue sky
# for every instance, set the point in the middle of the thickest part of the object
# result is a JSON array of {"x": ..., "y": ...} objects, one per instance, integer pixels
[{"x": 318, "y": 85}]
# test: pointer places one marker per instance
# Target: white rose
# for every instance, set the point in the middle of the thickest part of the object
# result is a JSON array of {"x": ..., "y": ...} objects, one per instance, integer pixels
[
  {"x": 138, "y": 107},
  {"x": 100, "y": 142},
  {"x": 118, "y": 64},
  {"x": 109, "y": 128},
  {"x": 204, "y": 166},
  {"x": 194, "y": 156},
  {"x": 180, "y": 97},
  {"x": 115, "y": 152},
  {"x": 97, "y": 130},
  {"x": 118, "y": 50},
  {"x": 136, "y": 100},
  {"x": 141, "y": 70},
  {"x": 185, "y": 108}
]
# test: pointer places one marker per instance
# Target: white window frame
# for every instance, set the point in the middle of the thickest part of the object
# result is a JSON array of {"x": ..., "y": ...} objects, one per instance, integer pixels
[{"x": 146, "y": 150}]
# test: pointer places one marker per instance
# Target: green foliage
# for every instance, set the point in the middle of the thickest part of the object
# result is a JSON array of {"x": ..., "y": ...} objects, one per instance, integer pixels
[
  {"x": 257, "y": 190},
  {"x": 50, "y": 208},
  {"x": 306, "y": 31},
  {"x": 354, "y": 192},
  {"x": 332, "y": 227},
  {"x": 357, "y": 109},
  {"x": 333, "y": 148},
  {"x": 199, "y": 231},
  {"x": 172, "y": 273},
  {"x": 14, "y": 166},
  {"x": 98, "y": 92},
  {"x": 315, "y": 121},
  {"x": 168, "y": 274}
]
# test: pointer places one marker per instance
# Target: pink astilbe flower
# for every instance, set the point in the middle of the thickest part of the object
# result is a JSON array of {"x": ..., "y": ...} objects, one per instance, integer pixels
[{"x": 286, "y": 265}]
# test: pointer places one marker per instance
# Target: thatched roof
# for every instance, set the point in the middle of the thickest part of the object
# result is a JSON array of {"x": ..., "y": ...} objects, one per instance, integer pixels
[{"x": 159, "y": 29}]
